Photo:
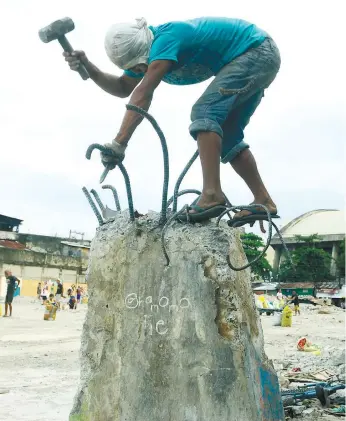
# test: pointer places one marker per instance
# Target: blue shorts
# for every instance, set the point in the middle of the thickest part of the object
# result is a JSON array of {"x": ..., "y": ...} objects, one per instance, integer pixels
[{"x": 230, "y": 100}]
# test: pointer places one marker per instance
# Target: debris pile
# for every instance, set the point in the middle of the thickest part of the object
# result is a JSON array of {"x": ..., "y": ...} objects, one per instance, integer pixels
[{"x": 311, "y": 393}]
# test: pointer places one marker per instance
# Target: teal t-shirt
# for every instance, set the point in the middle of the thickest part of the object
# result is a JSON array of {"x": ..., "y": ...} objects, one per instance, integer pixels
[{"x": 200, "y": 47}]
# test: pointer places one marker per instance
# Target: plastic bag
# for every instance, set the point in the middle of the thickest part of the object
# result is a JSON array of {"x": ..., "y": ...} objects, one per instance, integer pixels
[
  {"x": 306, "y": 346},
  {"x": 286, "y": 320}
]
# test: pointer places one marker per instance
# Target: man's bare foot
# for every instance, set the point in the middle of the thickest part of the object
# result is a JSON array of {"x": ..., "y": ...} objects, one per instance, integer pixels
[
  {"x": 208, "y": 200},
  {"x": 269, "y": 204}
]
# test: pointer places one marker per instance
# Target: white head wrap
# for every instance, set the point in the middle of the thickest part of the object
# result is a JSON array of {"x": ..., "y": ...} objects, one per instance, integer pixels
[{"x": 128, "y": 44}]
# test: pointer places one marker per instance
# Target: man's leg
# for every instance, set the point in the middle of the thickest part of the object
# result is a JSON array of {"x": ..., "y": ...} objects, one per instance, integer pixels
[
  {"x": 237, "y": 153},
  {"x": 245, "y": 165},
  {"x": 230, "y": 100},
  {"x": 209, "y": 146},
  {"x": 6, "y": 309},
  {"x": 207, "y": 116},
  {"x": 10, "y": 306}
]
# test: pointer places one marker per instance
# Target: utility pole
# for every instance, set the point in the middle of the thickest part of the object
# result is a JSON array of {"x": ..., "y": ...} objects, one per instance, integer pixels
[{"x": 77, "y": 233}]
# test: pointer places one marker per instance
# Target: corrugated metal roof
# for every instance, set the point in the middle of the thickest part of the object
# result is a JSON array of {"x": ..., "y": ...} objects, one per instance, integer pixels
[
  {"x": 10, "y": 244},
  {"x": 264, "y": 286},
  {"x": 303, "y": 285},
  {"x": 317, "y": 285},
  {"x": 79, "y": 245},
  {"x": 10, "y": 219}
]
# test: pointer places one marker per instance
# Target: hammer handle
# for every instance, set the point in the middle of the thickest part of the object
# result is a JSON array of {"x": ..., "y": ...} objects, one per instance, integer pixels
[{"x": 68, "y": 48}]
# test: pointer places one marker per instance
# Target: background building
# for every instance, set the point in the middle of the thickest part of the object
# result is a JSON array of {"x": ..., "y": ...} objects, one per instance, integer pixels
[
  {"x": 329, "y": 224},
  {"x": 38, "y": 258}
]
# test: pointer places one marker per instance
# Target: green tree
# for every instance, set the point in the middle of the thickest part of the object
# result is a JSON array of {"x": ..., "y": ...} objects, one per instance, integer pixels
[
  {"x": 253, "y": 245},
  {"x": 311, "y": 264}
]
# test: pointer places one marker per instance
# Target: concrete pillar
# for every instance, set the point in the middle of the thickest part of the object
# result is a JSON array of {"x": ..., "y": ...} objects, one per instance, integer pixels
[
  {"x": 335, "y": 255},
  {"x": 176, "y": 343},
  {"x": 277, "y": 258}
]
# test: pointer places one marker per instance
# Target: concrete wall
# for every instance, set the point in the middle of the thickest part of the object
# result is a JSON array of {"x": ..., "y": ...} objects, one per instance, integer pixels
[
  {"x": 39, "y": 267},
  {"x": 28, "y": 287},
  {"x": 31, "y": 258},
  {"x": 48, "y": 243}
]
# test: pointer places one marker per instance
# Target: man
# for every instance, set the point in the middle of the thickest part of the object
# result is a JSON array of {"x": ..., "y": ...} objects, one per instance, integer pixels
[
  {"x": 72, "y": 302},
  {"x": 38, "y": 291},
  {"x": 244, "y": 60},
  {"x": 12, "y": 281},
  {"x": 295, "y": 300},
  {"x": 44, "y": 293},
  {"x": 79, "y": 293},
  {"x": 51, "y": 300},
  {"x": 59, "y": 292}
]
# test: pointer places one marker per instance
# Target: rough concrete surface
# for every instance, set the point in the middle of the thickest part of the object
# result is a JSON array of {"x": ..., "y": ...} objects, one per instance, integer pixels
[{"x": 177, "y": 343}]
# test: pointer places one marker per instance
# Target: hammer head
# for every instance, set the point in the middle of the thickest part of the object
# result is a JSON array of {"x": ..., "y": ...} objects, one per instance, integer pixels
[{"x": 56, "y": 29}]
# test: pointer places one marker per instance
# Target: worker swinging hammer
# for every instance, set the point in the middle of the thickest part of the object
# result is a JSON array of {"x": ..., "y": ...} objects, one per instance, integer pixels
[{"x": 243, "y": 61}]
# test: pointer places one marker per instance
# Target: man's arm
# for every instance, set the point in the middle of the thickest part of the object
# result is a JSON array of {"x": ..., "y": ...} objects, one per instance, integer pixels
[
  {"x": 142, "y": 97},
  {"x": 121, "y": 86}
]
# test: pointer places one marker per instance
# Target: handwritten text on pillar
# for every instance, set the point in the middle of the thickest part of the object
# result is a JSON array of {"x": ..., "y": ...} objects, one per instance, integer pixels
[{"x": 155, "y": 309}]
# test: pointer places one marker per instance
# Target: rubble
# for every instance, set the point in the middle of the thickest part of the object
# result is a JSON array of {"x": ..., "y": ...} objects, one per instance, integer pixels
[
  {"x": 311, "y": 413},
  {"x": 298, "y": 410},
  {"x": 295, "y": 368}
]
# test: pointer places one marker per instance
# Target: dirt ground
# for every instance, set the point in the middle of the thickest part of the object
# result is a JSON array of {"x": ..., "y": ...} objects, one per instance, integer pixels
[
  {"x": 38, "y": 362},
  {"x": 39, "y": 367}
]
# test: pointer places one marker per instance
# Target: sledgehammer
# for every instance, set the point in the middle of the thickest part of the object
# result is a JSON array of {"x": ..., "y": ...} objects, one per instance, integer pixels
[{"x": 57, "y": 30}]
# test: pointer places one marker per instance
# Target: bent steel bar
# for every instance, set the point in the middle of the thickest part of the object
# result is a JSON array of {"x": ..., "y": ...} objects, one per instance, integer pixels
[
  {"x": 115, "y": 194},
  {"x": 102, "y": 148},
  {"x": 270, "y": 229},
  {"x": 93, "y": 206},
  {"x": 181, "y": 193},
  {"x": 284, "y": 246},
  {"x": 180, "y": 179},
  {"x": 128, "y": 191},
  {"x": 98, "y": 200},
  {"x": 164, "y": 229},
  {"x": 159, "y": 132}
]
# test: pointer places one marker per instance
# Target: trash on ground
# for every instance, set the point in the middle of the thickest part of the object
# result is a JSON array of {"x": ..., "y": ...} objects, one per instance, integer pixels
[{"x": 306, "y": 346}]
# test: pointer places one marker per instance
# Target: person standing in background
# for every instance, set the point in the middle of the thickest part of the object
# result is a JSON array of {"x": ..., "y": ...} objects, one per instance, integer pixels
[
  {"x": 59, "y": 293},
  {"x": 72, "y": 302},
  {"x": 38, "y": 291},
  {"x": 44, "y": 293},
  {"x": 11, "y": 287},
  {"x": 295, "y": 301},
  {"x": 79, "y": 293},
  {"x": 51, "y": 287}
]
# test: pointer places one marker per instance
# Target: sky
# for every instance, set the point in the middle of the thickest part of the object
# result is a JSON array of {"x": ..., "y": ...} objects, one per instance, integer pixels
[{"x": 49, "y": 115}]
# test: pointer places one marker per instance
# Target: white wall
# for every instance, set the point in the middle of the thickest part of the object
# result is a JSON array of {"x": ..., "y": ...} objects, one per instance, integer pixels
[{"x": 3, "y": 286}]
